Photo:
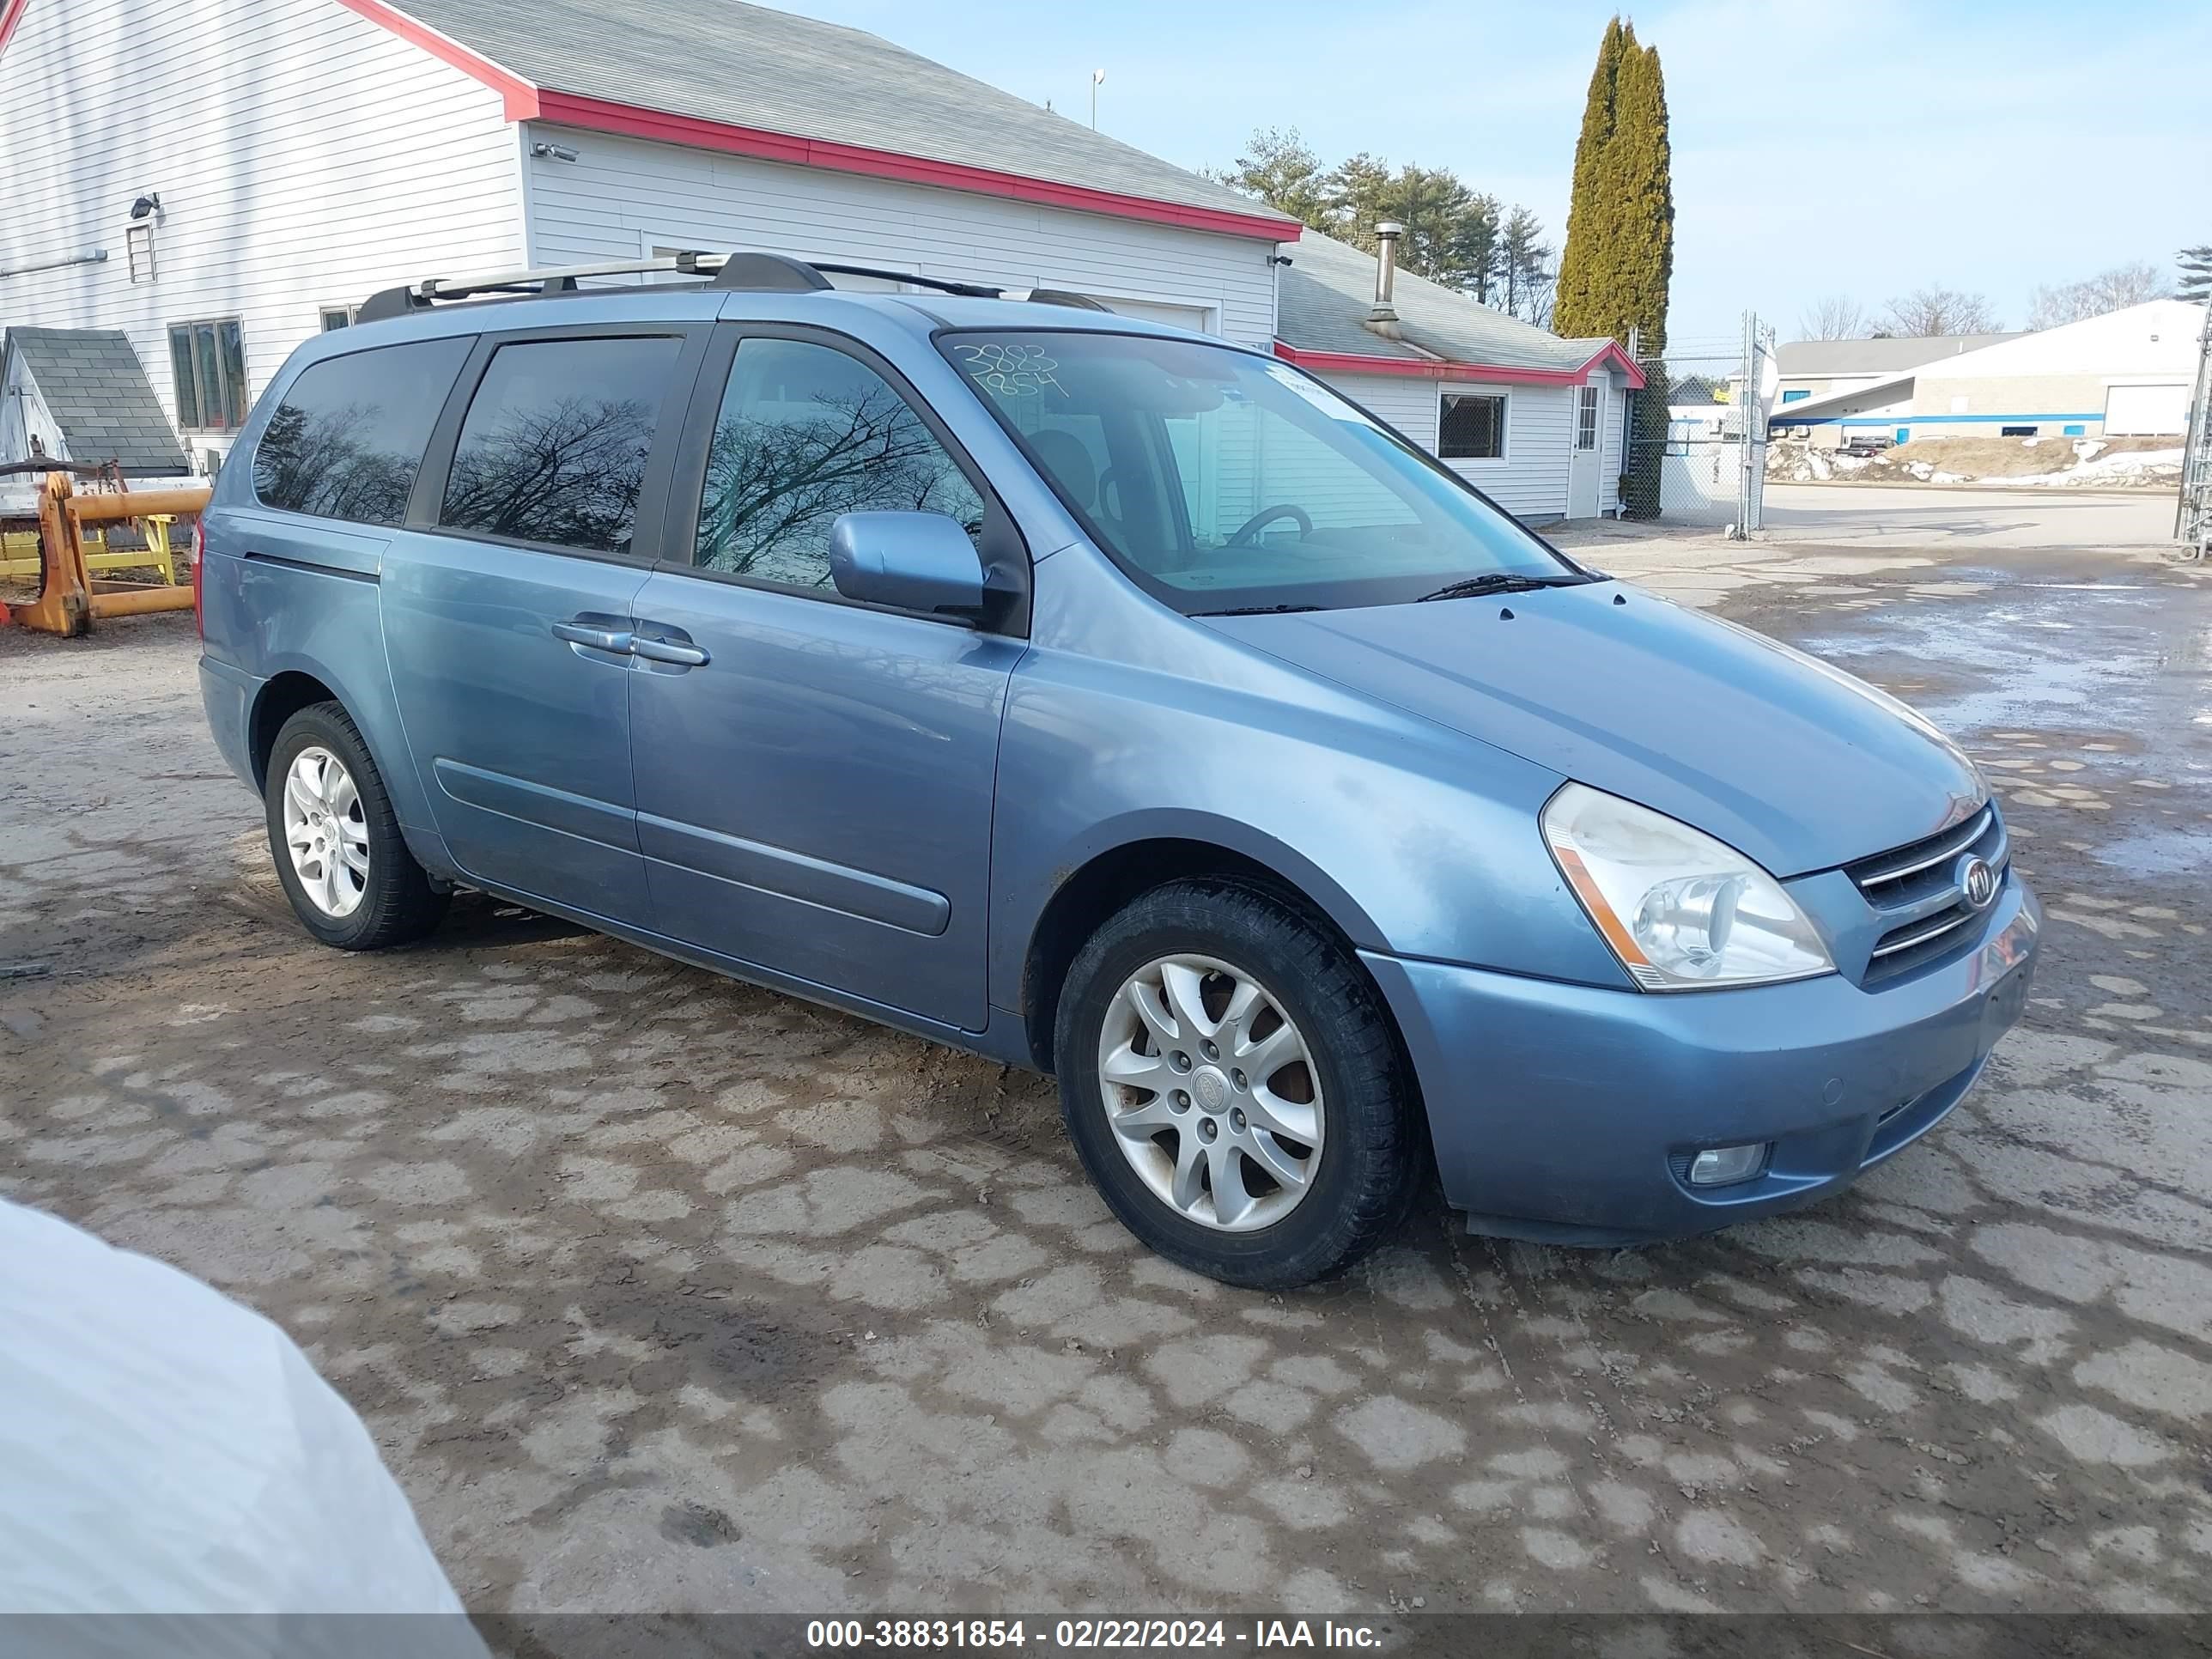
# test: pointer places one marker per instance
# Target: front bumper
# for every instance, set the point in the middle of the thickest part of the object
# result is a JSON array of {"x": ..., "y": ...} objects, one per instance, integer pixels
[{"x": 1568, "y": 1113}]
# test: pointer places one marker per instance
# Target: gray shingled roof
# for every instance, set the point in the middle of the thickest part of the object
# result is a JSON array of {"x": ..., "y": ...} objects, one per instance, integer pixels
[
  {"x": 744, "y": 65},
  {"x": 1812, "y": 359},
  {"x": 97, "y": 392},
  {"x": 1328, "y": 287}
]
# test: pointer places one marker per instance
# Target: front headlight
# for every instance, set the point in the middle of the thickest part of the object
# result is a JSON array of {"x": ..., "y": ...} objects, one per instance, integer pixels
[{"x": 1682, "y": 911}]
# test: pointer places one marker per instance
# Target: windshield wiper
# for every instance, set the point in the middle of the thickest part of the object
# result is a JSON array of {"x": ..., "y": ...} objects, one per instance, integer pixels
[
  {"x": 1498, "y": 581},
  {"x": 1256, "y": 610}
]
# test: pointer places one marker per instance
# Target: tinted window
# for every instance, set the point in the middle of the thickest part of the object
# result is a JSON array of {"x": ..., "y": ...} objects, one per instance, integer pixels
[
  {"x": 348, "y": 439},
  {"x": 555, "y": 444},
  {"x": 805, "y": 434}
]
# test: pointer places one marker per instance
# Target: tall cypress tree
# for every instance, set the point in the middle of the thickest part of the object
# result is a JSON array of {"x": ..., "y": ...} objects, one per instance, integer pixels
[
  {"x": 1583, "y": 264},
  {"x": 1619, "y": 254}
]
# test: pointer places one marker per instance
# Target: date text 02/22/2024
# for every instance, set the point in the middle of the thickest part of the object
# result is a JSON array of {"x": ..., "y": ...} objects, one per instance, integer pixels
[{"x": 1085, "y": 1635}]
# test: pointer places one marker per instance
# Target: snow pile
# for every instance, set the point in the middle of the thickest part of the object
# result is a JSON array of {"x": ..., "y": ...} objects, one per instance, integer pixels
[
  {"x": 2145, "y": 469},
  {"x": 2039, "y": 463}
]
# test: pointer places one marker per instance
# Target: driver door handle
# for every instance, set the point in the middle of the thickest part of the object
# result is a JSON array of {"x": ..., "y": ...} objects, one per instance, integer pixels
[{"x": 599, "y": 639}]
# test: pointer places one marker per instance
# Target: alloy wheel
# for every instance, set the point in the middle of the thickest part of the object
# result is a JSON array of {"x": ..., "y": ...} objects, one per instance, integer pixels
[
  {"x": 1211, "y": 1093},
  {"x": 325, "y": 832}
]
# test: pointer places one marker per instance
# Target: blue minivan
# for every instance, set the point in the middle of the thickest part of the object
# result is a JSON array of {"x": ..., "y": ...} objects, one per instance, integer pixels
[{"x": 1112, "y": 702}]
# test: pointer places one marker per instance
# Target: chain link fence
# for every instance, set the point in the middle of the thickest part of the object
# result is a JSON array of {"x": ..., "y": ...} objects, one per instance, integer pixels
[
  {"x": 1690, "y": 458},
  {"x": 2192, "y": 525}
]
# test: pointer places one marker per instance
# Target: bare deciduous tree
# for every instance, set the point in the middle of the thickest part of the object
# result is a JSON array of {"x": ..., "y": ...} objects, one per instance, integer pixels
[
  {"x": 1838, "y": 317},
  {"x": 2110, "y": 290},
  {"x": 1937, "y": 310}
]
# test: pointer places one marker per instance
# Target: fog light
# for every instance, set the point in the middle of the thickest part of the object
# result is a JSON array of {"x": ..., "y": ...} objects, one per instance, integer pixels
[{"x": 1723, "y": 1165}]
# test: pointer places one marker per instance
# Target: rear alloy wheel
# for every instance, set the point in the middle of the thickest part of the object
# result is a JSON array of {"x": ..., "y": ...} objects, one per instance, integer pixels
[
  {"x": 325, "y": 833},
  {"x": 337, "y": 842},
  {"x": 1235, "y": 1087}
]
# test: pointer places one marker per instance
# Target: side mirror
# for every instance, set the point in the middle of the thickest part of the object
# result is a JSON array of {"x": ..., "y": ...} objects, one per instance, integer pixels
[{"x": 915, "y": 561}]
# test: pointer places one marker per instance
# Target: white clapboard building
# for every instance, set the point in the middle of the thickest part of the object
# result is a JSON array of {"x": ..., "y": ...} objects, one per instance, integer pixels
[{"x": 217, "y": 179}]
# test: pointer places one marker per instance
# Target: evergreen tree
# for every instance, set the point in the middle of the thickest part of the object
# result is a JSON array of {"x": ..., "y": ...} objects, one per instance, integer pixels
[
  {"x": 1590, "y": 217},
  {"x": 1525, "y": 275},
  {"x": 1620, "y": 255},
  {"x": 1281, "y": 168},
  {"x": 2196, "y": 265}
]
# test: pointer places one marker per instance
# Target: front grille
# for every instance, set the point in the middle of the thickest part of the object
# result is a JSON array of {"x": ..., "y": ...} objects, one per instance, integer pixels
[{"x": 1917, "y": 883}]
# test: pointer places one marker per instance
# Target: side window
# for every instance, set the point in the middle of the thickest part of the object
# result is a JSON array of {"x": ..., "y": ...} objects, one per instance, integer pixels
[
  {"x": 348, "y": 439},
  {"x": 806, "y": 432},
  {"x": 554, "y": 446}
]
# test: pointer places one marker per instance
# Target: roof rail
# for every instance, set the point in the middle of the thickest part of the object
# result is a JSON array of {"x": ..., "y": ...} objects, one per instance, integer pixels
[{"x": 750, "y": 272}]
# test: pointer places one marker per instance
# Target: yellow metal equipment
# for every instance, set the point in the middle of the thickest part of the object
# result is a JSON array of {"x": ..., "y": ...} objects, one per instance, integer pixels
[{"x": 70, "y": 598}]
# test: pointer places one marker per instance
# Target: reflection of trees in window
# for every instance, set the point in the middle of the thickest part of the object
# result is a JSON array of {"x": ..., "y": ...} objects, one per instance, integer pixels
[
  {"x": 567, "y": 472},
  {"x": 779, "y": 474},
  {"x": 323, "y": 463}
]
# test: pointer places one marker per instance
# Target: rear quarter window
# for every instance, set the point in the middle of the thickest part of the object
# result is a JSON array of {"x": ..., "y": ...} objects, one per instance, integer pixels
[{"x": 348, "y": 440}]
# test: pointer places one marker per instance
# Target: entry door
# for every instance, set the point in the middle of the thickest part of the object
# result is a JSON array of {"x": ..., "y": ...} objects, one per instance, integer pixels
[
  {"x": 507, "y": 625},
  {"x": 1586, "y": 461},
  {"x": 815, "y": 783}
]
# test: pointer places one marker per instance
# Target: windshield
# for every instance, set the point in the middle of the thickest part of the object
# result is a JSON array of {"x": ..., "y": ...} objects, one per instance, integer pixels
[{"x": 1225, "y": 481}]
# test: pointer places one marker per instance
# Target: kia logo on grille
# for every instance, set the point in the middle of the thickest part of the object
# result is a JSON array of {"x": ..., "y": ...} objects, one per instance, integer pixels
[{"x": 1978, "y": 881}]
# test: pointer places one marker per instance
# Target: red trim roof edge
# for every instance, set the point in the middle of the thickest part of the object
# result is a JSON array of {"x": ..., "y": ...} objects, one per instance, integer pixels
[
  {"x": 11, "y": 13},
  {"x": 1347, "y": 362},
  {"x": 629, "y": 120},
  {"x": 526, "y": 101}
]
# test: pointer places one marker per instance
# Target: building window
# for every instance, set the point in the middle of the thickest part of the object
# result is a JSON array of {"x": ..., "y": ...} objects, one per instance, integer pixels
[
  {"x": 1796, "y": 394},
  {"x": 2016, "y": 432},
  {"x": 209, "y": 362},
  {"x": 138, "y": 243},
  {"x": 2076, "y": 431},
  {"x": 1586, "y": 419},
  {"x": 338, "y": 317},
  {"x": 1473, "y": 427}
]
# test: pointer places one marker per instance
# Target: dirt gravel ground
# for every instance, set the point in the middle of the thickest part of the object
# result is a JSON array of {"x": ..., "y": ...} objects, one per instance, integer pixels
[{"x": 663, "y": 1292}]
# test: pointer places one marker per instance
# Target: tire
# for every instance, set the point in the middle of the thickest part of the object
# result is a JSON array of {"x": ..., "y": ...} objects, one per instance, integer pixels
[
  {"x": 373, "y": 893},
  {"x": 1205, "y": 941}
]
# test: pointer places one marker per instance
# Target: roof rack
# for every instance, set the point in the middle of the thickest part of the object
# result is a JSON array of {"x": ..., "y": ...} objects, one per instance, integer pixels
[{"x": 753, "y": 272}]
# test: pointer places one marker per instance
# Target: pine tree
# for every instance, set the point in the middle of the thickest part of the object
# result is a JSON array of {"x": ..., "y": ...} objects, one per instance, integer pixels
[{"x": 2196, "y": 265}]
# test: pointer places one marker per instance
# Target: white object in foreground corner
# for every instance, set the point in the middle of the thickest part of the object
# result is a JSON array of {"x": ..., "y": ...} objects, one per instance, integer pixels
[{"x": 165, "y": 1451}]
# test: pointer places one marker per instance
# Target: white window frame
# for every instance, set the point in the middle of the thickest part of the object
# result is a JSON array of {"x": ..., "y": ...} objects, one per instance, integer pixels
[
  {"x": 1590, "y": 397},
  {"x": 1503, "y": 395}
]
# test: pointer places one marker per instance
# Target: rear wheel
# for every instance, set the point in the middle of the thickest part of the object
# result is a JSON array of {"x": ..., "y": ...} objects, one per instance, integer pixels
[
  {"x": 337, "y": 846},
  {"x": 1234, "y": 1087}
]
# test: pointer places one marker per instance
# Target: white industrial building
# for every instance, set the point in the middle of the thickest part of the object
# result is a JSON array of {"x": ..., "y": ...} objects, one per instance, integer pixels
[
  {"x": 2126, "y": 373},
  {"x": 217, "y": 179}
]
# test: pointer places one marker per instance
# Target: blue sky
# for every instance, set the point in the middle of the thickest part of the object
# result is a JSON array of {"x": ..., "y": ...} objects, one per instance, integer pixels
[{"x": 1983, "y": 146}]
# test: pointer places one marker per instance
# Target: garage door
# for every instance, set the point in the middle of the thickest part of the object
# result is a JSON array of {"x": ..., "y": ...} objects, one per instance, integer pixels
[
  {"x": 2146, "y": 410},
  {"x": 1189, "y": 317}
]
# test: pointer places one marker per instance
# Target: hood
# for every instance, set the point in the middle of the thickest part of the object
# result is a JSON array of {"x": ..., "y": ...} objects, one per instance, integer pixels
[{"x": 1792, "y": 762}]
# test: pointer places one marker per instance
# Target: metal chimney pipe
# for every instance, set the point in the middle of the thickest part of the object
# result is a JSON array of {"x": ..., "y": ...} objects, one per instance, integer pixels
[{"x": 1386, "y": 270}]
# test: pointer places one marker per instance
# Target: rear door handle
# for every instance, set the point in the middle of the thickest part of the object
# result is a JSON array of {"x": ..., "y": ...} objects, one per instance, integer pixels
[
  {"x": 616, "y": 639},
  {"x": 681, "y": 653}
]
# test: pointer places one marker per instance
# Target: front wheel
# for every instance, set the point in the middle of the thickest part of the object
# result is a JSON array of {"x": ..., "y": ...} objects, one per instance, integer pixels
[
  {"x": 1234, "y": 1087},
  {"x": 340, "y": 855}
]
